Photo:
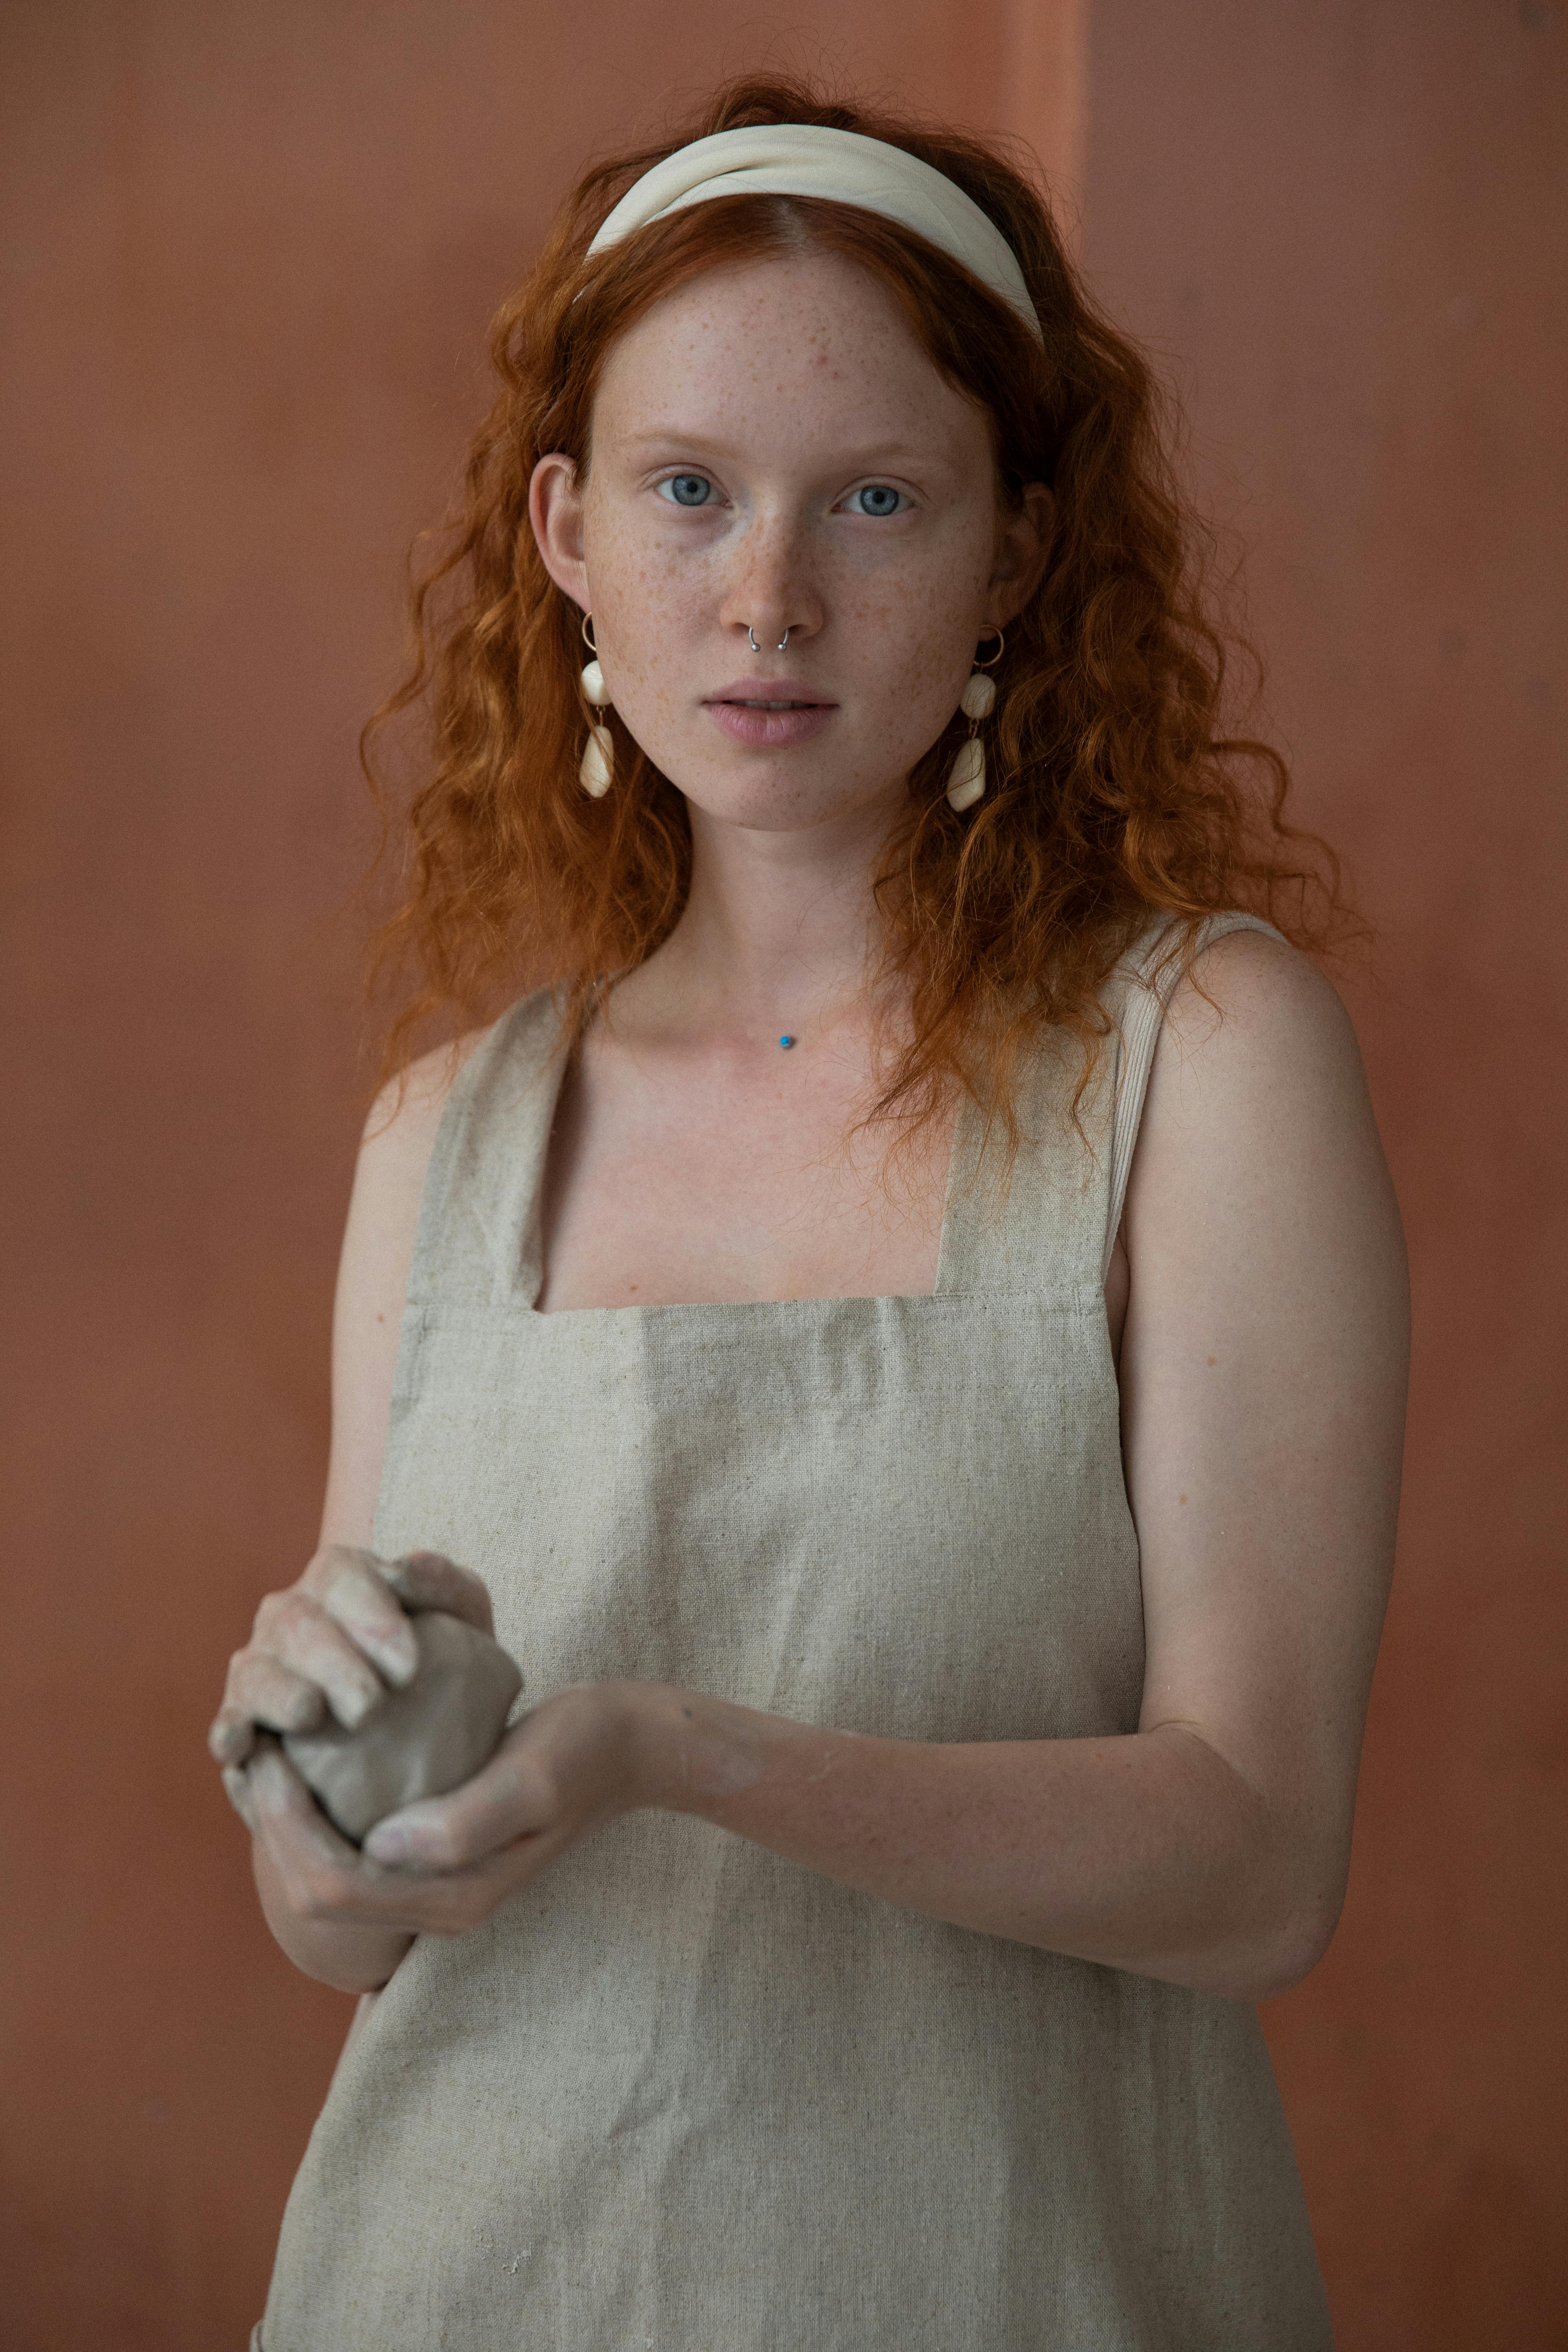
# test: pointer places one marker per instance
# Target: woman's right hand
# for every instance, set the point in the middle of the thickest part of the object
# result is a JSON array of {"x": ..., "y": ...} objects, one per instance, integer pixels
[{"x": 330, "y": 1646}]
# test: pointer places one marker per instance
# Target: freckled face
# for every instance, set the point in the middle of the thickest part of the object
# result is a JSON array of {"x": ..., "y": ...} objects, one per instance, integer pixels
[{"x": 771, "y": 448}]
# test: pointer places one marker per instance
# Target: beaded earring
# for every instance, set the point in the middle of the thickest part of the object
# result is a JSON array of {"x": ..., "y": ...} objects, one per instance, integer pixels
[
  {"x": 597, "y": 768},
  {"x": 966, "y": 782}
]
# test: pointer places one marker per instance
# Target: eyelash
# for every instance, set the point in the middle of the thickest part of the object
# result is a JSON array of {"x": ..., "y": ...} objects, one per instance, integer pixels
[{"x": 669, "y": 481}]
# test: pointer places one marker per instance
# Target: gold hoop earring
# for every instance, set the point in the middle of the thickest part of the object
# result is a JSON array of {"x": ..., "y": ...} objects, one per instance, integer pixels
[
  {"x": 967, "y": 780},
  {"x": 596, "y": 770}
]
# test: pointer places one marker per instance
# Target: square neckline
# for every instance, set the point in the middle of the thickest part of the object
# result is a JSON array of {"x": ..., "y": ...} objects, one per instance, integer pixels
[{"x": 534, "y": 1228}]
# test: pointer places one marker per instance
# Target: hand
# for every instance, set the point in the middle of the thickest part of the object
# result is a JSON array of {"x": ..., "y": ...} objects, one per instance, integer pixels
[
  {"x": 442, "y": 1865},
  {"x": 330, "y": 1645}
]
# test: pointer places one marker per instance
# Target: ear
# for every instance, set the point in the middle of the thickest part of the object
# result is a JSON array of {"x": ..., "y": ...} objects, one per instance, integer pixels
[
  {"x": 1023, "y": 545},
  {"x": 555, "y": 510}
]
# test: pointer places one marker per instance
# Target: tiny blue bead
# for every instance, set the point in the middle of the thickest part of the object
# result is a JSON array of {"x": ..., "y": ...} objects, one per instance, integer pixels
[{"x": 787, "y": 1042}]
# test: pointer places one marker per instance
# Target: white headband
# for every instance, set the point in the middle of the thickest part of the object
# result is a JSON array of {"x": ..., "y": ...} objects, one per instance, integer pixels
[{"x": 805, "y": 159}]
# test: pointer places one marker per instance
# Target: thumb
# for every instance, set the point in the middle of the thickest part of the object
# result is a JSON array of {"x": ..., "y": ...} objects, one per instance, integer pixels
[{"x": 428, "y": 1580}]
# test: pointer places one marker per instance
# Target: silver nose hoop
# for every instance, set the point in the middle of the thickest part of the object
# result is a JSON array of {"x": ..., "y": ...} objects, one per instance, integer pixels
[{"x": 757, "y": 649}]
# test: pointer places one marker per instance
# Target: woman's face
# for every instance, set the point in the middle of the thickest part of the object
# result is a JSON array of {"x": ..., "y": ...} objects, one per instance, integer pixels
[{"x": 772, "y": 449}]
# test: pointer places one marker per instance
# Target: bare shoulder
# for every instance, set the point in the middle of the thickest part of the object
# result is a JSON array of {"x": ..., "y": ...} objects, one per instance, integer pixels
[
  {"x": 400, "y": 1133},
  {"x": 1259, "y": 1139},
  {"x": 1250, "y": 997},
  {"x": 1257, "y": 1054},
  {"x": 373, "y": 1279}
]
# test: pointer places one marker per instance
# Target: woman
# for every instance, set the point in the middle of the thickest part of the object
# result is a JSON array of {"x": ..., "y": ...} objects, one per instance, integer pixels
[{"x": 907, "y": 1331}]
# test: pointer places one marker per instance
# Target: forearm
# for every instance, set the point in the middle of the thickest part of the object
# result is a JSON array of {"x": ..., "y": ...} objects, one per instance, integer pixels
[
  {"x": 1145, "y": 1852},
  {"x": 349, "y": 1958}
]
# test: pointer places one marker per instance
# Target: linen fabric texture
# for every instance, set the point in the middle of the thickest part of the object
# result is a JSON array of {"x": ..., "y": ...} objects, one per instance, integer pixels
[{"x": 681, "y": 2093}]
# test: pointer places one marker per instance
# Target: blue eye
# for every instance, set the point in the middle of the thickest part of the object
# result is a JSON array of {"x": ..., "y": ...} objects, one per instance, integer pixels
[
  {"x": 689, "y": 489},
  {"x": 877, "y": 498}
]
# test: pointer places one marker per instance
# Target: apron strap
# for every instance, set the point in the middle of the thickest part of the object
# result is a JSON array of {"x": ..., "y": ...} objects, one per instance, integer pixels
[
  {"x": 478, "y": 1242},
  {"x": 1053, "y": 1232}
]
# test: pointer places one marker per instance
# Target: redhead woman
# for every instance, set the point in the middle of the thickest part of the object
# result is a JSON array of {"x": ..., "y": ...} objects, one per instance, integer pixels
[{"x": 901, "y": 1320}]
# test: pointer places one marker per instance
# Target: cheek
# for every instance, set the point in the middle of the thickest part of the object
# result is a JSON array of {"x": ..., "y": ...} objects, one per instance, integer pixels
[
  {"x": 646, "y": 608},
  {"x": 911, "y": 637}
]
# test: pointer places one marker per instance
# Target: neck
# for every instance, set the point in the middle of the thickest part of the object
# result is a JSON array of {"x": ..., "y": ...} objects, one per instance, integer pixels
[{"x": 777, "y": 930}]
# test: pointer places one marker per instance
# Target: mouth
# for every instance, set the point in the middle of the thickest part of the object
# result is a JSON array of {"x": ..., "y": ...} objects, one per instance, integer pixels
[{"x": 749, "y": 713}]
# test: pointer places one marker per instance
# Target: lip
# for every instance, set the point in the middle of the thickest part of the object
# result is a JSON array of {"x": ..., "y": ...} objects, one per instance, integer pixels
[{"x": 732, "y": 708}]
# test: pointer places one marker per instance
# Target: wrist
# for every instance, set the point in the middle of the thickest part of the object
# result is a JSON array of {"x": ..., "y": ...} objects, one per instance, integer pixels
[
  {"x": 689, "y": 1750},
  {"x": 651, "y": 1718}
]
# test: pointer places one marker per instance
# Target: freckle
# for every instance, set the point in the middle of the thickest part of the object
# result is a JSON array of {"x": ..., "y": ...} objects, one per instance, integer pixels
[
  {"x": 1213, "y": 1360},
  {"x": 1181, "y": 1498}
]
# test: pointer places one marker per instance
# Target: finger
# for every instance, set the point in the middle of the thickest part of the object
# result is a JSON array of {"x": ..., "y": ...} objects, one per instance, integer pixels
[
  {"x": 294, "y": 1631},
  {"x": 231, "y": 1736},
  {"x": 262, "y": 1690},
  {"x": 355, "y": 1590},
  {"x": 510, "y": 1797},
  {"x": 237, "y": 1787},
  {"x": 311, "y": 1853},
  {"x": 427, "y": 1579},
  {"x": 325, "y": 1878}
]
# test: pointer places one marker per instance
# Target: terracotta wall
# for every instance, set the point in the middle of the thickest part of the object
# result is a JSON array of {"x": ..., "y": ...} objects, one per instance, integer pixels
[
  {"x": 1347, "y": 226},
  {"x": 247, "y": 255}
]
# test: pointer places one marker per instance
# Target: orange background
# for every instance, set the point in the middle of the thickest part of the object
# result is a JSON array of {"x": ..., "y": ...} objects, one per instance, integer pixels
[{"x": 248, "y": 253}]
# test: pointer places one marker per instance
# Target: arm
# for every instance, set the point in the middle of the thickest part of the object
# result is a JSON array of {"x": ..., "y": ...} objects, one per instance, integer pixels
[
  {"x": 373, "y": 1281},
  {"x": 342, "y": 1637},
  {"x": 1263, "y": 1366}
]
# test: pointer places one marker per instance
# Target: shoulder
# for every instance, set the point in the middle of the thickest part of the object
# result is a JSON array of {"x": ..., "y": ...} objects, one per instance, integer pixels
[
  {"x": 389, "y": 1179},
  {"x": 405, "y": 1119},
  {"x": 1258, "y": 1121},
  {"x": 1254, "y": 1009},
  {"x": 373, "y": 1279}
]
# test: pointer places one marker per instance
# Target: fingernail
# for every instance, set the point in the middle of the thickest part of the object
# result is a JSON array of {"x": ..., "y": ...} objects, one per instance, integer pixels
[
  {"x": 354, "y": 1706},
  {"x": 394, "y": 1653},
  {"x": 388, "y": 1845}
]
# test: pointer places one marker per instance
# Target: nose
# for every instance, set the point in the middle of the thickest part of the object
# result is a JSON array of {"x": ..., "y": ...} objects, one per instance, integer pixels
[{"x": 771, "y": 600}]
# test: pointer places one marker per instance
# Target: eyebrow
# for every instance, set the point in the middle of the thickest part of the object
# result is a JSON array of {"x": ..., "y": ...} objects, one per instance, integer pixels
[{"x": 857, "y": 459}]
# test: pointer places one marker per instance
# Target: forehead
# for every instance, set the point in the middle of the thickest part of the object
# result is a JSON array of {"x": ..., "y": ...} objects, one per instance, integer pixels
[{"x": 806, "y": 342}]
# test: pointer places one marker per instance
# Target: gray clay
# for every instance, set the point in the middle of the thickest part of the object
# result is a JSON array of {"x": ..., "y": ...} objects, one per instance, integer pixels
[{"x": 419, "y": 1741}]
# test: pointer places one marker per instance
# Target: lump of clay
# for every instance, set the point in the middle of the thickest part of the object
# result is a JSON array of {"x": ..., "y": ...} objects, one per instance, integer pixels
[{"x": 419, "y": 1741}]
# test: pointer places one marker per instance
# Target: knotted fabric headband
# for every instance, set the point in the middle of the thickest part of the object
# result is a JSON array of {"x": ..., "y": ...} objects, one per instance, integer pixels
[{"x": 805, "y": 159}]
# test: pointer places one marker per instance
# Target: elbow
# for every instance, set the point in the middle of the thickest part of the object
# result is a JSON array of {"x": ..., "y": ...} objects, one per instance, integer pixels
[
  {"x": 1292, "y": 1890},
  {"x": 1288, "y": 1948},
  {"x": 1295, "y": 1953}
]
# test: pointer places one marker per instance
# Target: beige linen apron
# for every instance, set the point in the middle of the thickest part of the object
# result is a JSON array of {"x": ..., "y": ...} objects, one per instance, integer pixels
[{"x": 683, "y": 2094}]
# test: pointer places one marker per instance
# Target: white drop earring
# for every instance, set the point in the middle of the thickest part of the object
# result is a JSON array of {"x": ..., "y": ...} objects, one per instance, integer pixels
[
  {"x": 596, "y": 769},
  {"x": 966, "y": 781}
]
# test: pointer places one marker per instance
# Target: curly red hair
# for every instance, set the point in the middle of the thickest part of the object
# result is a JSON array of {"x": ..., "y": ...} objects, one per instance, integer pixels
[{"x": 1117, "y": 795}]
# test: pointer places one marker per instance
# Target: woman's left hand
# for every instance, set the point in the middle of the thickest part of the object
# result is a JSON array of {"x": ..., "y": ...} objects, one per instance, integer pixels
[{"x": 442, "y": 1865}]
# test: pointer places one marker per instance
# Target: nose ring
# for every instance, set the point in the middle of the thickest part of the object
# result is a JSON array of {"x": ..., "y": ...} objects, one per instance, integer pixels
[{"x": 783, "y": 641}]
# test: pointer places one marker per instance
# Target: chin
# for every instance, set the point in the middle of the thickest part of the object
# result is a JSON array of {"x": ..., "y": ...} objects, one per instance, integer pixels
[
  {"x": 784, "y": 809},
  {"x": 784, "y": 795}
]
